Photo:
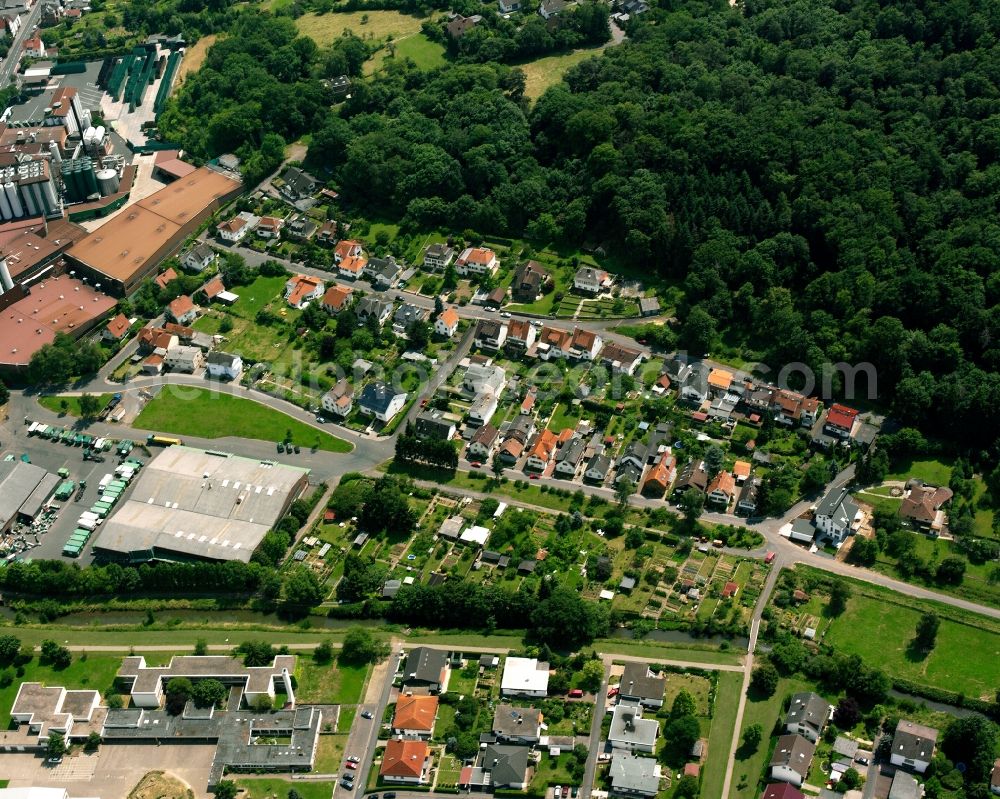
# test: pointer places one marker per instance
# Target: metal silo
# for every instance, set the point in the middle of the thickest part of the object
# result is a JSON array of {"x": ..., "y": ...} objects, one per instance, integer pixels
[{"x": 107, "y": 181}]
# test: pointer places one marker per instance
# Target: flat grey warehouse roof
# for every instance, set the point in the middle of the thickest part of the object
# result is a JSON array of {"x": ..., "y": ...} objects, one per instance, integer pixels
[{"x": 193, "y": 503}]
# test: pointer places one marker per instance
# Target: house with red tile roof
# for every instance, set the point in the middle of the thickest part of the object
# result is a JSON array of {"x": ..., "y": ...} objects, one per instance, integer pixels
[
  {"x": 585, "y": 344},
  {"x": 405, "y": 761},
  {"x": 182, "y": 310},
  {"x": 415, "y": 715},
  {"x": 213, "y": 288},
  {"x": 352, "y": 267},
  {"x": 346, "y": 248},
  {"x": 337, "y": 298},
  {"x": 720, "y": 491},
  {"x": 447, "y": 323},
  {"x": 840, "y": 420},
  {"x": 541, "y": 450},
  {"x": 658, "y": 481},
  {"x": 116, "y": 329},
  {"x": 302, "y": 289},
  {"x": 477, "y": 261},
  {"x": 164, "y": 278}
]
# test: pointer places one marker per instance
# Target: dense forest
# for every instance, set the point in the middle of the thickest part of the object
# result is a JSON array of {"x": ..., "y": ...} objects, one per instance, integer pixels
[{"x": 818, "y": 177}]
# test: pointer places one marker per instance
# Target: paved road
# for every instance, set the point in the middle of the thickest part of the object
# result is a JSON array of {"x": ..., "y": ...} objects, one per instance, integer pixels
[
  {"x": 600, "y": 711},
  {"x": 28, "y": 21}
]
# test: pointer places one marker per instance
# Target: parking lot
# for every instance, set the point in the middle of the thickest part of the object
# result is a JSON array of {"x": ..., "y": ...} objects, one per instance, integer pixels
[
  {"x": 113, "y": 771},
  {"x": 54, "y": 456}
]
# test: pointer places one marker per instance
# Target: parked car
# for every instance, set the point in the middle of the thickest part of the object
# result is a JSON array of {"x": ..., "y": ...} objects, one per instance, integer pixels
[
  {"x": 348, "y": 785},
  {"x": 770, "y": 557},
  {"x": 351, "y": 765},
  {"x": 297, "y": 450},
  {"x": 557, "y": 792},
  {"x": 366, "y": 714},
  {"x": 281, "y": 447},
  {"x": 612, "y": 691},
  {"x": 354, "y": 759}
]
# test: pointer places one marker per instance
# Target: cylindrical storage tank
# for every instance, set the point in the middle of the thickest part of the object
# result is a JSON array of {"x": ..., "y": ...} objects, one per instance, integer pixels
[
  {"x": 88, "y": 135},
  {"x": 56, "y": 155},
  {"x": 29, "y": 203},
  {"x": 5, "y": 209},
  {"x": 89, "y": 180},
  {"x": 99, "y": 134},
  {"x": 107, "y": 181},
  {"x": 85, "y": 118},
  {"x": 51, "y": 196},
  {"x": 6, "y": 284},
  {"x": 15, "y": 201}
]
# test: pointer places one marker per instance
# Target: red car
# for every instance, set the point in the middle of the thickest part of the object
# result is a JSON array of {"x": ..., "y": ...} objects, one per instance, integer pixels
[
  {"x": 612, "y": 691},
  {"x": 533, "y": 477},
  {"x": 769, "y": 557},
  {"x": 351, "y": 765},
  {"x": 475, "y": 464}
]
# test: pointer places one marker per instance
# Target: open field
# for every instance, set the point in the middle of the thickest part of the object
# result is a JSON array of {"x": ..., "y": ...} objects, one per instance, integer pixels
[
  {"x": 53, "y": 403},
  {"x": 204, "y": 413},
  {"x": 417, "y": 47},
  {"x": 934, "y": 472},
  {"x": 330, "y": 684},
  {"x": 378, "y": 25},
  {"x": 966, "y": 658},
  {"x": 194, "y": 56},
  {"x": 548, "y": 71}
]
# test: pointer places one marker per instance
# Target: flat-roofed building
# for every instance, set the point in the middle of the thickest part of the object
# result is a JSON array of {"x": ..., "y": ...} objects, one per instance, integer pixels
[
  {"x": 24, "y": 488},
  {"x": 55, "y": 305},
  {"x": 192, "y": 504},
  {"x": 127, "y": 248},
  {"x": 44, "y": 710},
  {"x": 146, "y": 684}
]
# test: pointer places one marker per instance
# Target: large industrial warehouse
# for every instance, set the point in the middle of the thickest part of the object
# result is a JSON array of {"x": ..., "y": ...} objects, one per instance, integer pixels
[
  {"x": 128, "y": 247},
  {"x": 193, "y": 504}
]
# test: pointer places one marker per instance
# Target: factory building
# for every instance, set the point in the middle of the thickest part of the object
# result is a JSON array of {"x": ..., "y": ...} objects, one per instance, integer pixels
[
  {"x": 28, "y": 189},
  {"x": 34, "y": 315},
  {"x": 126, "y": 249},
  {"x": 193, "y": 504}
]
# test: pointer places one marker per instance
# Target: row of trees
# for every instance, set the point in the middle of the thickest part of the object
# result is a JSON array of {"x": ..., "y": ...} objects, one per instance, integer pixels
[{"x": 411, "y": 448}]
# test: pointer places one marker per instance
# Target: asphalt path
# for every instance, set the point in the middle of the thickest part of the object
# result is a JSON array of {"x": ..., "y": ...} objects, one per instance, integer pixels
[{"x": 13, "y": 58}]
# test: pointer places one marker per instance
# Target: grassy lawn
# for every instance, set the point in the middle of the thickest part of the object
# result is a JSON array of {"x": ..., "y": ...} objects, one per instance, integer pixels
[
  {"x": 324, "y": 29},
  {"x": 209, "y": 414},
  {"x": 721, "y": 733},
  {"x": 96, "y": 672},
  {"x": 694, "y": 684},
  {"x": 966, "y": 658},
  {"x": 545, "y": 72},
  {"x": 416, "y": 47},
  {"x": 256, "y": 295},
  {"x": 330, "y": 753},
  {"x": 330, "y": 684},
  {"x": 463, "y": 681},
  {"x": 267, "y": 787},
  {"x": 750, "y": 765},
  {"x": 930, "y": 471},
  {"x": 54, "y": 402},
  {"x": 551, "y": 771}
]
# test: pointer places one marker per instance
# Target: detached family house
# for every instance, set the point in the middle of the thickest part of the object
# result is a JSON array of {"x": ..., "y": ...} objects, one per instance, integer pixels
[
  {"x": 807, "y": 715},
  {"x": 223, "y": 365},
  {"x": 634, "y": 777},
  {"x": 414, "y": 716},
  {"x": 380, "y": 400},
  {"x": 339, "y": 400},
  {"x": 477, "y": 261},
  {"x": 791, "y": 759},
  {"x": 630, "y": 732},
  {"x": 913, "y": 746},
  {"x": 303, "y": 289},
  {"x": 589, "y": 280},
  {"x": 182, "y": 310},
  {"x": 447, "y": 323},
  {"x": 406, "y": 761},
  {"x": 438, "y": 256},
  {"x": 639, "y": 684},
  {"x": 525, "y": 677},
  {"x": 838, "y": 516}
]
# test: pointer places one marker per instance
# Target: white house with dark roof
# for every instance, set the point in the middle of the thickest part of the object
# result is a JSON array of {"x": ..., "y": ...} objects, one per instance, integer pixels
[
  {"x": 223, "y": 365},
  {"x": 838, "y": 516},
  {"x": 630, "y": 732},
  {"x": 913, "y": 746},
  {"x": 807, "y": 715},
  {"x": 791, "y": 759},
  {"x": 380, "y": 400}
]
